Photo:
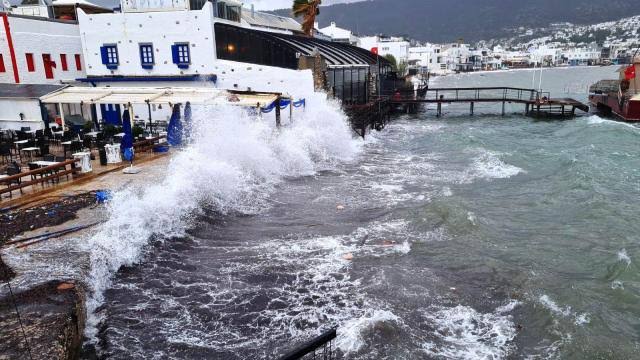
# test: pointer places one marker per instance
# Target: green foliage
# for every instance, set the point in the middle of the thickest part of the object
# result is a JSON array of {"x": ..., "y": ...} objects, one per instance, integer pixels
[
  {"x": 137, "y": 131},
  {"x": 87, "y": 127},
  {"x": 110, "y": 130},
  {"x": 393, "y": 61},
  {"x": 402, "y": 68}
]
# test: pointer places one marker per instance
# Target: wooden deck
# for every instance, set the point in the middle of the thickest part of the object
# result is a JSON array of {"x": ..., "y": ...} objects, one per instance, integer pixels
[{"x": 39, "y": 192}]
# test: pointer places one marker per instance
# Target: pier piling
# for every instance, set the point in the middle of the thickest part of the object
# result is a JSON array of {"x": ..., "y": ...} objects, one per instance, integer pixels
[{"x": 471, "y": 108}]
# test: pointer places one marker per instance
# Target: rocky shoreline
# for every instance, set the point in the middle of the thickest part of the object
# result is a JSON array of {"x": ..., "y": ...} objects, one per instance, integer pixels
[
  {"x": 52, "y": 315},
  {"x": 46, "y": 277}
]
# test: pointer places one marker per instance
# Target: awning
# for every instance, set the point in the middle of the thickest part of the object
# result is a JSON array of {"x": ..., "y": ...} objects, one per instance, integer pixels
[{"x": 144, "y": 95}]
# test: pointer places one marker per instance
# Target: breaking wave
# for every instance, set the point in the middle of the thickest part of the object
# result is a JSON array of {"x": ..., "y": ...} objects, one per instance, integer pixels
[
  {"x": 488, "y": 165},
  {"x": 465, "y": 333},
  {"x": 232, "y": 163}
]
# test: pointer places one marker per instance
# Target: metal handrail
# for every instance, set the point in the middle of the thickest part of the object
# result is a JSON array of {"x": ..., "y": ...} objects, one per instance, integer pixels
[{"x": 323, "y": 341}]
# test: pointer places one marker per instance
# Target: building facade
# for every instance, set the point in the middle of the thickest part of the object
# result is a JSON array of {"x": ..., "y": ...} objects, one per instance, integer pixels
[
  {"x": 338, "y": 34},
  {"x": 39, "y": 50}
]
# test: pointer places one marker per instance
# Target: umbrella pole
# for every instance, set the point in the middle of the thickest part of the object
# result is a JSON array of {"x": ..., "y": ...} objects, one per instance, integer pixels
[
  {"x": 150, "y": 122},
  {"x": 130, "y": 109}
]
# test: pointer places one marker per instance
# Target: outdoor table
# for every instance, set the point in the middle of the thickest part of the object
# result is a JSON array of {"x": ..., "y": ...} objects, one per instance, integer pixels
[
  {"x": 44, "y": 163},
  {"x": 30, "y": 151},
  {"x": 85, "y": 161},
  {"x": 18, "y": 143},
  {"x": 113, "y": 154},
  {"x": 65, "y": 146}
]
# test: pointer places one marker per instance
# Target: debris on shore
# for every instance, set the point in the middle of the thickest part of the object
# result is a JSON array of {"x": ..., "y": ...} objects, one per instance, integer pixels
[{"x": 58, "y": 210}]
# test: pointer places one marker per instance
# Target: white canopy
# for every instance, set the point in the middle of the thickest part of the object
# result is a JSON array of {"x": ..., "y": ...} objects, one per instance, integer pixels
[{"x": 150, "y": 95}]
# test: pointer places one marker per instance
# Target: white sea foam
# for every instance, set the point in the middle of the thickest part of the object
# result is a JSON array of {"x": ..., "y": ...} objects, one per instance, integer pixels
[
  {"x": 464, "y": 333},
  {"x": 351, "y": 333},
  {"x": 554, "y": 308},
  {"x": 597, "y": 120},
  {"x": 624, "y": 257},
  {"x": 488, "y": 165},
  {"x": 617, "y": 285},
  {"x": 231, "y": 164}
]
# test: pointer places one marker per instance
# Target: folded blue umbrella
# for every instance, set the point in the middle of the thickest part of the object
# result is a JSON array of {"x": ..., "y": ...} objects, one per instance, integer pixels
[
  {"x": 127, "y": 140},
  {"x": 174, "y": 131}
]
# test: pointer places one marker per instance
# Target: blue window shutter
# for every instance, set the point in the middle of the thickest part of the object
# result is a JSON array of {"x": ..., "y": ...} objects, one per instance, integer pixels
[
  {"x": 103, "y": 53},
  {"x": 174, "y": 53}
]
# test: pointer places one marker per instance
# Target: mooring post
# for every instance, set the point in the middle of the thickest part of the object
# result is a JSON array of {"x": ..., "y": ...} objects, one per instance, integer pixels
[
  {"x": 471, "y": 108},
  {"x": 278, "y": 118},
  {"x": 439, "y": 109},
  {"x": 503, "y": 103},
  {"x": 291, "y": 110},
  {"x": 526, "y": 109}
]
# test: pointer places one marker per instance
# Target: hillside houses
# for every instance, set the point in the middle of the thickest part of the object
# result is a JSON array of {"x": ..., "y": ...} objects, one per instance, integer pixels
[{"x": 563, "y": 44}]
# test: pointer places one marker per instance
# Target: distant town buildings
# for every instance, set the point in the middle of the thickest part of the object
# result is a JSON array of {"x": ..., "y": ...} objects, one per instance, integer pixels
[{"x": 569, "y": 45}]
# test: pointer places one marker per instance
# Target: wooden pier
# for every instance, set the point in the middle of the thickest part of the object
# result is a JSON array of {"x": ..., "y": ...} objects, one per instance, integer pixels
[{"x": 537, "y": 103}]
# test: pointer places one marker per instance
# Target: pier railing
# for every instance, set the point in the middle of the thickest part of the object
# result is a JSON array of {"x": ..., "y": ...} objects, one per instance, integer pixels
[
  {"x": 319, "y": 348},
  {"x": 468, "y": 94}
]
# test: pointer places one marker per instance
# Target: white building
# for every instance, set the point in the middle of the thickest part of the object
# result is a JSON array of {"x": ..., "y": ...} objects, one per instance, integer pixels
[
  {"x": 546, "y": 55},
  {"x": 428, "y": 56},
  {"x": 582, "y": 56},
  {"x": 338, "y": 34},
  {"x": 173, "y": 46},
  {"x": 455, "y": 55},
  {"x": 20, "y": 105},
  {"x": 398, "y": 47},
  {"x": 38, "y": 50}
]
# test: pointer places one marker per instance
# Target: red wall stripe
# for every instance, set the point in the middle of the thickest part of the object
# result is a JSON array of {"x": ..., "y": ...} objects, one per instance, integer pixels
[{"x": 12, "y": 52}]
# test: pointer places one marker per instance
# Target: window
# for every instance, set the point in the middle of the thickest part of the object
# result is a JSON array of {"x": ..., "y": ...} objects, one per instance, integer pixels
[
  {"x": 63, "y": 62},
  {"x": 78, "y": 62},
  {"x": 146, "y": 56},
  {"x": 181, "y": 56},
  {"x": 110, "y": 56},
  {"x": 31, "y": 66},
  {"x": 2, "y": 68}
]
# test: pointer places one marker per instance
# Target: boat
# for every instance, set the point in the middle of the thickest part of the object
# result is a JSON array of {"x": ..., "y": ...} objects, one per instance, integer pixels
[{"x": 621, "y": 97}]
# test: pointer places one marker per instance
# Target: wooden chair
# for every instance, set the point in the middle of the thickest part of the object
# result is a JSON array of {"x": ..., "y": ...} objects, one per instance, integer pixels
[
  {"x": 5, "y": 152},
  {"x": 13, "y": 171}
]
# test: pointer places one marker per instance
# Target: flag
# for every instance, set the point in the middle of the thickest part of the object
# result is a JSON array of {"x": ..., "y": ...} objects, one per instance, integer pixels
[
  {"x": 630, "y": 72},
  {"x": 374, "y": 50}
]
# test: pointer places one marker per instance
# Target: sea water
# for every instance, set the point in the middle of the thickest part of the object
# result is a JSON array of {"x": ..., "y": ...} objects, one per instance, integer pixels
[{"x": 460, "y": 237}]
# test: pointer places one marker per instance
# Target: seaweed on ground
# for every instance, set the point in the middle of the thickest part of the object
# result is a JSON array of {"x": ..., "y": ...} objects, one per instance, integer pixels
[{"x": 18, "y": 221}]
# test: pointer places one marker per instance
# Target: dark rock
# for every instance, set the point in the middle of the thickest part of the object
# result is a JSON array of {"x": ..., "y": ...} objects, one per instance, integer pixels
[{"x": 53, "y": 317}]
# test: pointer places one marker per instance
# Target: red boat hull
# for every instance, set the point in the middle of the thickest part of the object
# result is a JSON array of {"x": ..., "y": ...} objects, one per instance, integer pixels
[{"x": 629, "y": 111}]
